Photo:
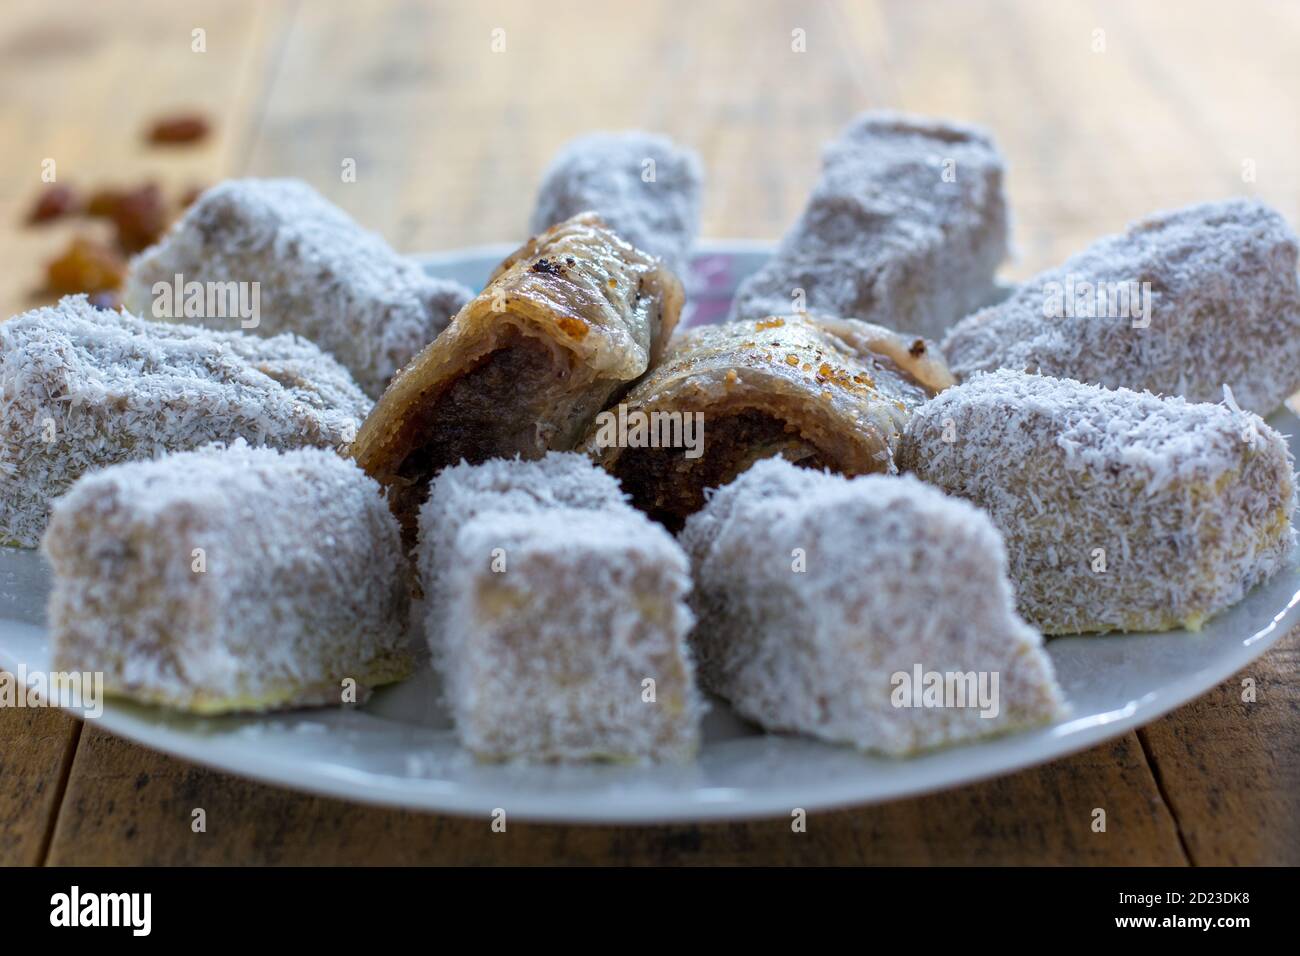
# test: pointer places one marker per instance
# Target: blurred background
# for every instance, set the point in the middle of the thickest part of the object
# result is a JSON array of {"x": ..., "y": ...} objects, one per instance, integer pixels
[{"x": 447, "y": 113}]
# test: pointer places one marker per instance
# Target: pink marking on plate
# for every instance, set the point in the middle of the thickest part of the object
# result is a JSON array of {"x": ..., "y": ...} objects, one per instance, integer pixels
[{"x": 711, "y": 285}]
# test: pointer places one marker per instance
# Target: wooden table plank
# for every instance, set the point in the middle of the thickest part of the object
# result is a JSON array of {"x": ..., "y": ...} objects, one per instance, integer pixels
[
  {"x": 129, "y": 806},
  {"x": 450, "y": 139},
  {"x": 1230, "y": 768},
  {"x": 36, "y": 748},
  {"x": 425, "y": 107},
  {"x": 80, "y": 88}
]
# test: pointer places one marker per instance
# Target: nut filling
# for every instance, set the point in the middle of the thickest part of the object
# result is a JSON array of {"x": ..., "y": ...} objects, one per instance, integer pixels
[
  {"x": 669, "y": 487},
  {"x": 514, "y": 401}
]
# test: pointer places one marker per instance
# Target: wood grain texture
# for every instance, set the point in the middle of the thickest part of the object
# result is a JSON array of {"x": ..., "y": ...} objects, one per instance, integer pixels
[
  {"x": 1229, "y": 768},
  {"x": 449, "y": 140},
  {"x": 36, "y": 749},
  {"x": 1163, "y": 115},
  {"x": 80, "y": 87},
  {"x": 84, "y": 81},
  {"x": 127, "y": 806}
]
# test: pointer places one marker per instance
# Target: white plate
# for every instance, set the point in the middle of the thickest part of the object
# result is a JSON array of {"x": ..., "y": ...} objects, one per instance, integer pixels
[{"x": 399, "y": 748}]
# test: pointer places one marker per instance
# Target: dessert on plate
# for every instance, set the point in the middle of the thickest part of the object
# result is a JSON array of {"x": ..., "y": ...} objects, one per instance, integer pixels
[
  {"x": 230, "y": 579},
  {"x": 318, "y": 274},
  {"x": 567, "y": 321},
  {"x": 237, "y": 527},
  {"x": 1182, "y": 303},
  {"x": 822, "y": 392},
  {"x": 82, "y": 388},
  {"x": 1121, "y": 511}
]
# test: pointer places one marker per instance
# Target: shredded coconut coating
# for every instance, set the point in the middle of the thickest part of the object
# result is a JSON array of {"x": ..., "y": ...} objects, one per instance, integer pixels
[
  {"x": 82, "y": 388},
  {"x": 608, "y": 173},
  {"x": 1121, "y": 511},
  {"x": 1224, "y": 310},
  {"x": 302, "y": 582},
  {"x": 460, "y": 492},
  {"x": 905, "y": 229},
  {"x": 554, "y": 653},
  {"x": 895, "y": 575},
  {"x": 544, "y": 658},
  {"x": 321, "y": 275}
]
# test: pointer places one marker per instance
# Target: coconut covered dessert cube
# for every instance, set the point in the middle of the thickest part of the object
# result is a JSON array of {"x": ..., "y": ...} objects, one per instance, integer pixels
[
  {"x": 230, "y": 579},
  {"x": 1182, "y": 303},
  {"x": 645, "y": 187},
  {"x": 905, "y": 228},
  {"x": 319, "y": 275},
  {"x": 1121, "y": 511},
  {"x": 568, "y": 638},
  {"x": 873, "y": 611},
  {"x": 511, "y": 485},
  {"x": 82, "y": 388}
]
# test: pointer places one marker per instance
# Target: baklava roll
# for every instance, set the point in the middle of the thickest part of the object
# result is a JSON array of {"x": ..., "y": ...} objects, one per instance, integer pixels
[
  {"x": 818, "y": 391},
  {"x": 564, "y": 324}
]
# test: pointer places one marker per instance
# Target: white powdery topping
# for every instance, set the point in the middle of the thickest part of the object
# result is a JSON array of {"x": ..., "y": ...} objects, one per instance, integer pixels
[
  {"x": 1224, "y": 309},
  {"x": 1120, "y": 510},
  {"x": 81, "y": 388},
  {"x": 459, "y": 493},
  {"x": 905, "y": 229},
  {"x": 545, "y": 659},
  {"x": 763, "y": 483},
  {"x": 553, "y": 654},
  {"x": 229, "y": 578},
  {"x": 607, "y": 173},
  {"x": 321, "y": 275},
  {"x": 895, "y": 575}
]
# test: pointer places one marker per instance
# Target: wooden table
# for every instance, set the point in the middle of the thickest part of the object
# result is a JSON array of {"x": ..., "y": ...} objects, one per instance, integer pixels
[{"x": 449, "y": 138}]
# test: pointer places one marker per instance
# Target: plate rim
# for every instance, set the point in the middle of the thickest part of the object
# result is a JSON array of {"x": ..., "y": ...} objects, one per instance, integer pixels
[{"x": 699, "y": 803}]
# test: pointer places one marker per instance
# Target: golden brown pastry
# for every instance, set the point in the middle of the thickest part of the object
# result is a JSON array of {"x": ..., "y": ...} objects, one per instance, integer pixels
[
  {"x": 564, "y": 324},
  {"x": 821, "y": 392}
]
